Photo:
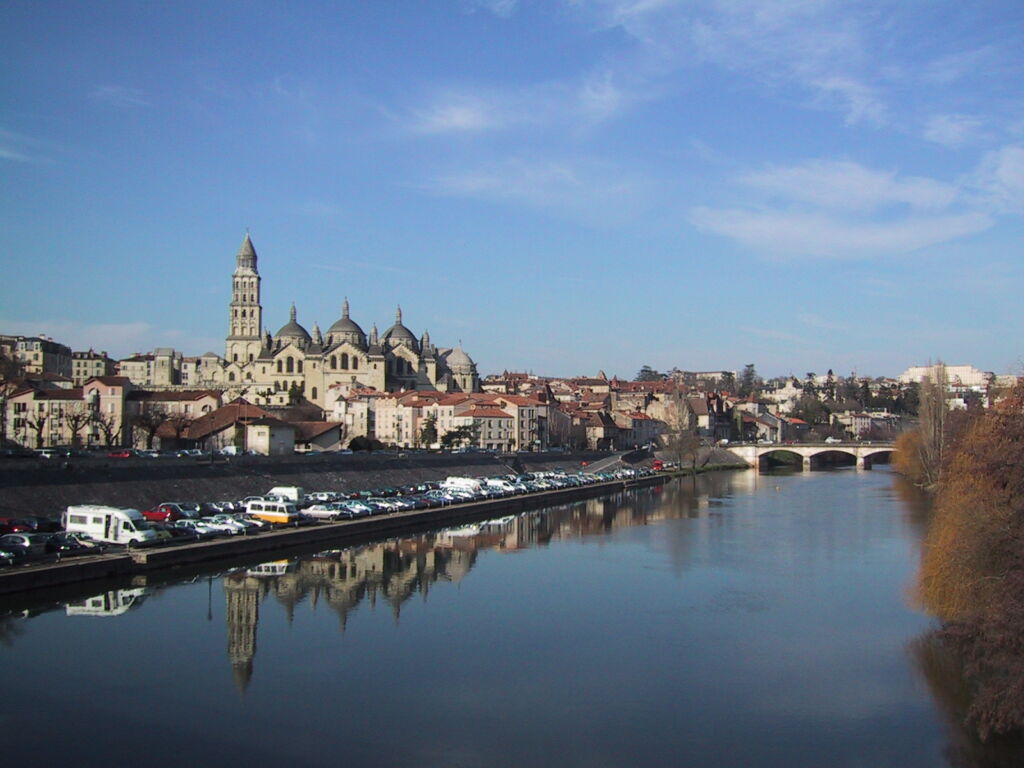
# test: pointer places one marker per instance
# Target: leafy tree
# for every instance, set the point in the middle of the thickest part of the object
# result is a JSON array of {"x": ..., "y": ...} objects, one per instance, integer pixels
[
  {"x": 849, "y": 389},
  {"x": 364, "y": 443},
  {"x": 646, "y": 373},
  {"x": 865, "y": 394},
  {"x": 809, "y": 408},
  {"x": 750, "y": 382},
  {"x": 467, "y": 433},
  {"x": 428, "y": 435},
  {"x": 829, "y": 390}
]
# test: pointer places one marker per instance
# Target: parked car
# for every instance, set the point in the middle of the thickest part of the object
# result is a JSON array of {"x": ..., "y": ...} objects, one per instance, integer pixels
[
  {"x": 86, "y": 540},
  {"x": 198, "y": 528},
  {"x": 14, "y": 525},
  {"x": 65, "y": 544},
  {"x": 23, "y": 545},
  {"x": 172, "y": 511},
  {"x": 120, "y": 453},
  {"x": 6, "y": 557}
]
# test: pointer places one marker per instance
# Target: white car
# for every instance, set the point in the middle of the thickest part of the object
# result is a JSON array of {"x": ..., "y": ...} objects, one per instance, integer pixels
[
  {"x": 228, "y": 523},
  {"x": 198, "y": 527}
]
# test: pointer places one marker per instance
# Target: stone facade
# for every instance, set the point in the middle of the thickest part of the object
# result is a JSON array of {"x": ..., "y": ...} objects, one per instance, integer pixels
[{"x": 294, "y": 363}]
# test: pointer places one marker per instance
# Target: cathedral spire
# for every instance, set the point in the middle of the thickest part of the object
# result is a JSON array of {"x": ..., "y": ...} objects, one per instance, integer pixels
[
  {"x": 398, "y": 315},
  {"x": 344, "y": 309},
  {"x": 246, "y": 258},
  {"x": 291, "y": 313}
]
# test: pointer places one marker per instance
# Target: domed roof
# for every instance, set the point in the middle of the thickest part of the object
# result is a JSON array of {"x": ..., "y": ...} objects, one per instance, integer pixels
[
  {"x": 292, "y": 331},
  {"x": 346, "y": 329},
  {"x": 398, "y": 333},
  {"x": 459, "y": 362}
]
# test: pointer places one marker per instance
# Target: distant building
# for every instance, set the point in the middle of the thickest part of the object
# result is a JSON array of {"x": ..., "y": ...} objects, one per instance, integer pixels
[
  {"x": 41, "y": 354},
  {"x": 294, "y": 363},
  {"x": 89, "y": 365}
]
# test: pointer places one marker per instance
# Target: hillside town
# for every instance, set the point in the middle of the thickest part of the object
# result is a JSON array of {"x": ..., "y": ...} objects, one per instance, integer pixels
[
  {"x": 53, "y": 397},
  {"x": 302, "y": 391}
]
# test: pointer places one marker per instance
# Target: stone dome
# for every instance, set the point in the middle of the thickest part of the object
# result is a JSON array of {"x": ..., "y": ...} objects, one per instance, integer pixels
[
  {"x": 346, "y": 329},
  {"x": 292, "y": 332},
  {"x": 459, "y": 362},
  {"x": 399, "y": 334}
]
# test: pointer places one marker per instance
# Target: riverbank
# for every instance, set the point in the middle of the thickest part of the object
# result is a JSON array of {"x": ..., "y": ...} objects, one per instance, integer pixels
[
  {"x": 130, "y": 562},
  {"x": 47, "y": 487}
]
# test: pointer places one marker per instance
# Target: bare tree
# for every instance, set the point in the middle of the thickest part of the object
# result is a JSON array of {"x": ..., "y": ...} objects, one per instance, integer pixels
[
  {"x": 36, "y": 421},
  {"x": 681, "y": 440},
  {"x": 148, "y": 421},
  {"x": 108, "y": 425},
  {"x": 932, "y": 412},
  {"x": 6, "y": 390},
  {"x": 179, "y": 422},
  {"x": 76, "y": 416}
]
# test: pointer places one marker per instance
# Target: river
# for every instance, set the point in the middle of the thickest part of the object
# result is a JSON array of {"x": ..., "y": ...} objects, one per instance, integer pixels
[{"x": 736, "y": 620}]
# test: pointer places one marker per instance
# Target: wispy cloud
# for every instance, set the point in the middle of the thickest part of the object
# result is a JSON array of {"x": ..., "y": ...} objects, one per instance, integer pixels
[
  {"x": 19, "y": 148},
  {"x": 952, "y": 130},
  {"x": 349, "y": 264},
  {"x": 119, "y": 339},
  {"x": 459, "y": 114},
  {"x": 823, "y": 236},
  {"x": 859, "y": 101},
  {"x": 577, "y": 102},
  {"x": 999, "y": 180},
  {"x": 592, "y": 190},
  {"x": 845, "y": 185},
  {"x": 119, "y": 96},
  {"x": 819, "y": 46},
  {"x": 501, "y": 8},
  {"x": 842, "y": 209}
]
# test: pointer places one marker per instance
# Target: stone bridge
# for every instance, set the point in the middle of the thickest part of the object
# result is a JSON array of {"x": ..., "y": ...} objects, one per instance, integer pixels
[{"x": 863, "y": 452}]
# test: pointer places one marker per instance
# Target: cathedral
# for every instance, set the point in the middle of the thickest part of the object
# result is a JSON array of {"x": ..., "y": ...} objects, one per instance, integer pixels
[{"x": 294, "y": 363}]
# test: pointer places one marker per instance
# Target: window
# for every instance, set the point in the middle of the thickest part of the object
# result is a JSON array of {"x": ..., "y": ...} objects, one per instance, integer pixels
[
  {"x": 334, "y": 362},
  {"x": 290, "y": 365},
  {"x": 279, "y": 366},
  {"x": 231, "y": 376},
  {"x": 355, "y": 363},
  {"x": 313, "y": 394},
  {"x": 300, "y": 366},
  {"x": 344, "y": 361}
]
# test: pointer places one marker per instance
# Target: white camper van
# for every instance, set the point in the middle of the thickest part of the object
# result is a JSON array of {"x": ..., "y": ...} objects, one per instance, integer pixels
[
  {"x": 116, "y": 525},
  {"x": 470, "y": 484},
  {"x": 292, "y": 493}
]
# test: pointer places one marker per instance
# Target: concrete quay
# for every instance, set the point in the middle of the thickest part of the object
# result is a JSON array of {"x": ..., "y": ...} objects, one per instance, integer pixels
[{"x": 131, "y": 562}]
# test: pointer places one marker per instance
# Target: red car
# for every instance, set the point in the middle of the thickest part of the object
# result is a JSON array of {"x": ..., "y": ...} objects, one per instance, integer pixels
[
  {"x": 123, "y": 453},
  {"x": 171, "y": 512}
]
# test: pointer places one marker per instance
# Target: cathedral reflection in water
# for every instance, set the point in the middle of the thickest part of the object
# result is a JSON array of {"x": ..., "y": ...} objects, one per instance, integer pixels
[{"x": 392, "y": 572}]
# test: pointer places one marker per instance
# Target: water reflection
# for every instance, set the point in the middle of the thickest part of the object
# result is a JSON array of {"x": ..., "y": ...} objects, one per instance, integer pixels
[
  {"x": 734, "y": 619},
  {"x": 393, "y": 572}
]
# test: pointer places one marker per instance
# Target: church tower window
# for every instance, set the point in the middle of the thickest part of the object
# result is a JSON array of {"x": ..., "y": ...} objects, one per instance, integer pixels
[{"x": 344, "y": 361}]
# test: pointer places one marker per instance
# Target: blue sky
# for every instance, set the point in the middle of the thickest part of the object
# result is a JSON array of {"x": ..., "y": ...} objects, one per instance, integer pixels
[{"x": 563, "y": 185}]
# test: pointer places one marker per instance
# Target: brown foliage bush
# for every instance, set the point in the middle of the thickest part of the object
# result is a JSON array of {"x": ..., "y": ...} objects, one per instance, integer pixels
[
  {"x": 972, "y": 565},
  {"x": 906, "y": 457}
]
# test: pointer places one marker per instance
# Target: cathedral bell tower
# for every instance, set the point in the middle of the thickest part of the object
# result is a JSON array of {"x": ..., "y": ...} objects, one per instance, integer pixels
[{"x": 245, "y": 320}]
